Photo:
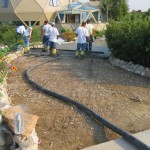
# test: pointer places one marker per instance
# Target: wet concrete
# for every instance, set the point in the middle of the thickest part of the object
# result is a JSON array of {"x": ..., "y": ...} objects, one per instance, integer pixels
[{"x": 99, "y": 45}]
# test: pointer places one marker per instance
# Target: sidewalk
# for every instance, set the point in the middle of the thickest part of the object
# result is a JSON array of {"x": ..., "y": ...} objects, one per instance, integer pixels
[{"x": 99, "y": 45}]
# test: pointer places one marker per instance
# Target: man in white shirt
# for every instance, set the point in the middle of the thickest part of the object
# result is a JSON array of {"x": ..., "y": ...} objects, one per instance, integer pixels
[
  {"x": 91, "y": 32},
  {"x": 20, "y": 31},
  {"x": 53, "y": 35},
  {"x": 26, "y": 39},
  {"x": 45, "y": 35},
  {"x": 83, "y": 35}
]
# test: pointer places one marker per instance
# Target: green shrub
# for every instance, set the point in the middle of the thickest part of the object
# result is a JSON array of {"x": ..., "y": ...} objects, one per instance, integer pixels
[
  {"x": 100, "y": 33},
  {"x": 68, "y": 35},
  {"x": 9, "y": 37},
  {"x": 3, "y": 52},
  {"x": 7, "y": 34},
  {"x": 64, "y": 30},
  {"x": 36, "y": 34},
  {"x": 129, "y": 39}
]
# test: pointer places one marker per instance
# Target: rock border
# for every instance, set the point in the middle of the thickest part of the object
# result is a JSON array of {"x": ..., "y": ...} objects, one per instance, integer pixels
[
  {"x": 3, "y": 87},
  {"x": 30, "y": 143},
  {"x": 129, "y": 66}
]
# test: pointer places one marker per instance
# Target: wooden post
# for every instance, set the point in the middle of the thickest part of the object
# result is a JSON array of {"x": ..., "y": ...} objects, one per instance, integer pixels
[{"x": 80, "y": 17}]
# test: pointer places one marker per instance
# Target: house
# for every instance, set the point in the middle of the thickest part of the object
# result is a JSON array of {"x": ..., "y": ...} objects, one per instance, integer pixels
[
  {"x": 78, "y": 12},
  {"x": 35, "y": 12},
  {"x": 30, "y": 12}
]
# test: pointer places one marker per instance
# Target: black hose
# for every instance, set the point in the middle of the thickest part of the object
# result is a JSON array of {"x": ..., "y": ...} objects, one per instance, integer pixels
[{"x": 126, "y": 135}]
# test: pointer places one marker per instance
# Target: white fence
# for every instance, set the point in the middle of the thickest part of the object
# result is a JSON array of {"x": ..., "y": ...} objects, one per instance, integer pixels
[{"x": 73, "y": 26}]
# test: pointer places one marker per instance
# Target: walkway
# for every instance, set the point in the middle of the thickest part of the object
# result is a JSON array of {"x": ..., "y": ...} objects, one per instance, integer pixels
[{"x": 99, "y": 45}]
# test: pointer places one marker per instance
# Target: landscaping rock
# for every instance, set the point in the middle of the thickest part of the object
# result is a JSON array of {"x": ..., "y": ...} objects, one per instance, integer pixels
[
  {"x": 4, "y": 106},
  {"x": 30, "y": 143},
  {"x": 29, "y": 119},
  {"x": 2, "y": 138},
  {"x": 4, "y": 96},
  {"x": 129, "y": 66},
  {"x": 2, "y": 147}
]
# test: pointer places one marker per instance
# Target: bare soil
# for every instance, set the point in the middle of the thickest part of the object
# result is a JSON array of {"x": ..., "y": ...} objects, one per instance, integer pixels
[{"x": 119, "y": 96}]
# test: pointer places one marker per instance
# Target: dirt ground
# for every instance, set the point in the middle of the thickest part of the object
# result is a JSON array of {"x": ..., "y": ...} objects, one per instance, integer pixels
[{"x": 119, "y": 96}]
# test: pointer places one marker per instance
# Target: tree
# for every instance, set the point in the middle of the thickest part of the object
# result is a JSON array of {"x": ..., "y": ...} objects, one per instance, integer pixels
[
  {"x": 114, "y": 9},
  {"x": 120, "y": 9},
  {"x": 148, "y": 12},
  {"x": 106, "y": 5}
]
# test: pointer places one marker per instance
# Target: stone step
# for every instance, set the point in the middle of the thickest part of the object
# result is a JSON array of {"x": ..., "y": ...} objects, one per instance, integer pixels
[{"x": 121, "y": 144}]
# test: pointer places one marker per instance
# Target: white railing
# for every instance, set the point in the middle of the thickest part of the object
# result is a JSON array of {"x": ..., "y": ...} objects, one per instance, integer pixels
[{"x": 73, "y": 26}]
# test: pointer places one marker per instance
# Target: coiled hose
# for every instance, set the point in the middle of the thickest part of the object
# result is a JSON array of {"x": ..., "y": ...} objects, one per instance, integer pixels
[{"x": 126, "y": 135}]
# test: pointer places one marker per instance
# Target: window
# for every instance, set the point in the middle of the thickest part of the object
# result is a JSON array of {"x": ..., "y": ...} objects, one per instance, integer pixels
[
  {"x": 26, "y": 22},
  {"x": 5, "y": 3},
  {"x": 37, "y": 23},
  {"x": 54, "y": 3},
  {"x": 72, "y": 18}
]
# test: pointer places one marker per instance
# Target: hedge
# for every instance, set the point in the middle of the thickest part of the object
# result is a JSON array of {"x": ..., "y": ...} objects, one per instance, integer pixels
[{"x": 129, "y": 39}]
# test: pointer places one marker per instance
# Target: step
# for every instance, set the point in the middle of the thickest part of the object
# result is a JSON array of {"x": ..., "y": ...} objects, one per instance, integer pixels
[{"x": 121, "y": 144}]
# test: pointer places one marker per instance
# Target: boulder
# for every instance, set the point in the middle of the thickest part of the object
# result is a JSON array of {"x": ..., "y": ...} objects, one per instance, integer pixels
[{"x": 29, "y": 119}]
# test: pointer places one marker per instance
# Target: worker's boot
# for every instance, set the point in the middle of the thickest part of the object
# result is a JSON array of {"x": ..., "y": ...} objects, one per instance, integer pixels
[
  {"x": 54, "y": 52},
  {"x": 44, "y": 48},
  {"x": 77, "y": 55},
  {"x": 28, "y": 50}
]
